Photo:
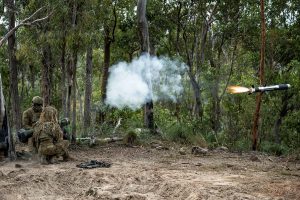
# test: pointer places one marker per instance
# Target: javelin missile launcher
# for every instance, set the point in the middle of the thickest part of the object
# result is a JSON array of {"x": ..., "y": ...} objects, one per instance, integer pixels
[{"x": 25, "y": 134}]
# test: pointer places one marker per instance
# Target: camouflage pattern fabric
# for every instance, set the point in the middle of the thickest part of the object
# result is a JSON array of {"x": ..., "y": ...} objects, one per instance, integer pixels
[
  {"x": 48, "y": 138},
  {"x": 30, "y": 118},
  {"x": 37, "y": 100},
  {"x": 54, "y": 113}
]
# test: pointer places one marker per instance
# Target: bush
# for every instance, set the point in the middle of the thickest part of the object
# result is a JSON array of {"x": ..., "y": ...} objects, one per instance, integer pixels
[
  {"x": 243, "y": 144},
  {"x": 274, "y": 148},
  {"x": 185, "y": 134},
  {"x": 178, "y": 133}
]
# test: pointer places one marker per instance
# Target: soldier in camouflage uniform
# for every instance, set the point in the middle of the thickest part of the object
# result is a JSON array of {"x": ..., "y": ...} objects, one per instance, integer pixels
[
  {"x": 31, "y": 116},
  {"x": 48, "y": 137}
]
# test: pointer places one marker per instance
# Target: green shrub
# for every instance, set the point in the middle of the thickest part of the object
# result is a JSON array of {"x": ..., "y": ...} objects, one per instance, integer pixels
[
  {"x": 274, "y": 148},
  {"x": 185, "y": 134},
  {"x": 177, "y": 133},
  {"x": 243, "y": 144},
  {"x": 211, "y": 139},
  {"x": 130, "y": 137}
]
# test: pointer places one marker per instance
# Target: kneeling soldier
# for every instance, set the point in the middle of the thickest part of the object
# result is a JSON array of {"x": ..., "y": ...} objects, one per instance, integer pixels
[{"x": 48, "y": 137}]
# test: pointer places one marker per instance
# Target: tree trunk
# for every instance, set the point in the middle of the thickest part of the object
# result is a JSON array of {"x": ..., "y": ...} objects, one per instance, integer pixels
[
  {"x": 69, "y": 87},
  {"x": 143, "y": 26},
  {"x": 197, "y": 107},
  {"x": 261, "y": 77},
  {"x": 178, "y": 27},
  {"x": 216, "y": 109},
  {"x": 74, "y": 67},
  {"x": 88, "y": 88},
  {"x": 46, "y": 71},
  {"x": 283, "y": 112},
  {"x": 109, "y": 37},
  {"x": 5, "y": 128},
  {"x": 32, "y": 77},
  {"x": 63, "y": 74},
  {"x": 193, "y": 74},
  {"x": 14, "y": 92},
  {"x": 195, "y": 52},
  {"x": 107, "y": 44},
  {"x": 277, "y": 129},
  {"x": 79, "y": 96},
  {"x": 22, "y": 83},
  {"x": 145, "y": 47}
]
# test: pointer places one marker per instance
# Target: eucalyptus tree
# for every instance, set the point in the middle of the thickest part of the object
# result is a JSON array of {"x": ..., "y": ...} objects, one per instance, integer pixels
[
  {"x": 223, "y": 39},
  {"x": 191, "y": 22},
  {"x": 53, "y": 41},
  {"x": 74, "y": 49},
  {"x": 282, "y": 60},
  {"x": 109, "y": 22},
  {"x": 261, "y": 75},
  {"x": 38, "y": 42},
  {"x": 14, "y": 92},
  {"x": 126, "y": 45},
  {"x": 143, "y": 32},
  {"x": 12, "y": 8},
  {"x": 88, "y": 87},
  {"x": 91, "y": 39}
]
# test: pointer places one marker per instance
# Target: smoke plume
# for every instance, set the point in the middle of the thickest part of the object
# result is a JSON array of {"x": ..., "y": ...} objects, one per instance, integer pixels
[{"x": 145, "y": 78}]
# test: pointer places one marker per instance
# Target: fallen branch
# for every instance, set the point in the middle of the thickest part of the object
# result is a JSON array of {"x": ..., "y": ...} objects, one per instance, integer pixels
[
  {"x": 92, "y": 140},
  {"x": 117, "y": 126},
  {"x": 24, "y": 22}
]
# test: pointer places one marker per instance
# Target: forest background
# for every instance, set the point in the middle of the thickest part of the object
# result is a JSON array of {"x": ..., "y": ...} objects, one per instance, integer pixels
[{"x": 63, "y": 50}]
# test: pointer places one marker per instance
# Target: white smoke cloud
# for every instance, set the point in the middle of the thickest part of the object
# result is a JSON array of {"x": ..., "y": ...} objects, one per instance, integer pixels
[{"x": 145, "y": 78}]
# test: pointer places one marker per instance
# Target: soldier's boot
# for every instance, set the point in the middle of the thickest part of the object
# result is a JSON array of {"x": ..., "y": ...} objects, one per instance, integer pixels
[
  {"x": 53, "y": 160},
  {"x": 66, "y": 156},
  {"x": 44, "y": 160}
]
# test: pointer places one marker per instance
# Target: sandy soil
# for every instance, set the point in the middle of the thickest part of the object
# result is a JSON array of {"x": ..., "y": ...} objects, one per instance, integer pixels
[{"x": 150, "y": 173}]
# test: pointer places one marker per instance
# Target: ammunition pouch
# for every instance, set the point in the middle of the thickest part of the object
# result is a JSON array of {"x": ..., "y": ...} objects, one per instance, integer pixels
[{"x": 24, "y": 135}]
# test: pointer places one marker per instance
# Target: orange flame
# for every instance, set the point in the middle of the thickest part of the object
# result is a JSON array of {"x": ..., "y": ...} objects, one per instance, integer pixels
[{"x": 237, "y": 89}]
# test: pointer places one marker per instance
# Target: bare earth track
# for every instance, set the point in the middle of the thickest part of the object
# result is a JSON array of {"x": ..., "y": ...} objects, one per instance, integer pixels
[{"x": 146, "y": 173}]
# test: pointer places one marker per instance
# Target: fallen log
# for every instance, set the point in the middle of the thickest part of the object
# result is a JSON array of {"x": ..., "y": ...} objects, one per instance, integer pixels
[{"x": 93, "y": 140}]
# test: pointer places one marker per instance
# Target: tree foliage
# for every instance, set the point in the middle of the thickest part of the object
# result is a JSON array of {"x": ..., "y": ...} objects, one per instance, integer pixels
[{"x": 218, "y": 40}]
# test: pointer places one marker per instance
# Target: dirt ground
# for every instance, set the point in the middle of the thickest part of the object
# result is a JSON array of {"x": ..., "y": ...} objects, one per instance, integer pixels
[{"x": 153, "y": 173}]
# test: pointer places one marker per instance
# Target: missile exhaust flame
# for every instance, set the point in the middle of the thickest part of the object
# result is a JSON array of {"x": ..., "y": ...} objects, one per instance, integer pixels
[{"x": 237, "y": 89}]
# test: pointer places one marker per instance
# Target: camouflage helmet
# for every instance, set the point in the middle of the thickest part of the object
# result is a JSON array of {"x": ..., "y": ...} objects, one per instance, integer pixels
[
  {"x": 64, "y": 121},
  {"x": 37, "y": 100}
]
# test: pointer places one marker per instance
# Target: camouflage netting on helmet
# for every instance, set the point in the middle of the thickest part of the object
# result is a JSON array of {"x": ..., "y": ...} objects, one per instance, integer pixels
[
  {"x": 49, "y": 114},
  {"x": 37, "y": 100}
]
